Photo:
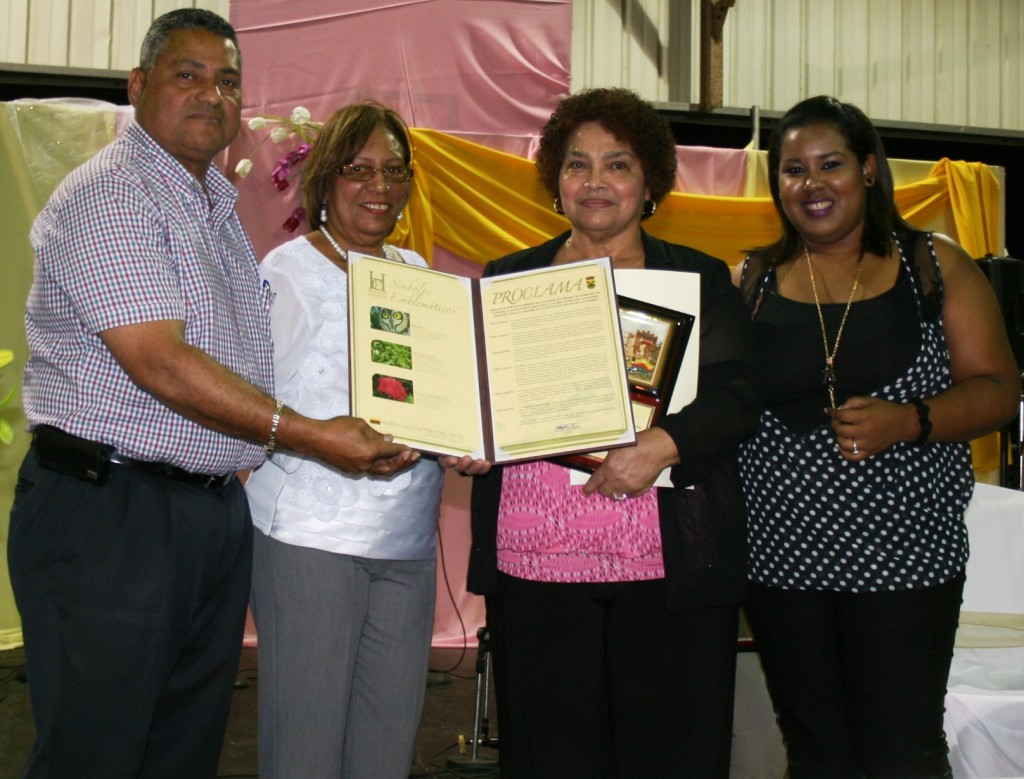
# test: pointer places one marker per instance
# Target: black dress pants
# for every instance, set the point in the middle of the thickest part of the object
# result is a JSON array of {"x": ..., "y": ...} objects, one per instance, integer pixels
[
  {"x": 858, "y": 681},
  {"x": 133, "y": 599},
  {"x": 595, "y": 681}
]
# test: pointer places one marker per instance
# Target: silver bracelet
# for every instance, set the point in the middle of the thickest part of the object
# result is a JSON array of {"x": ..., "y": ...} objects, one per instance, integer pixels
[{"x": 275, "y": 421}]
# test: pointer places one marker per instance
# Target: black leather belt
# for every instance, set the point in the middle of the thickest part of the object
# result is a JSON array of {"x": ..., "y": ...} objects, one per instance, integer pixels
[
  {"x": 91, "y": 461},
  {"x": 207, "y": 480}
]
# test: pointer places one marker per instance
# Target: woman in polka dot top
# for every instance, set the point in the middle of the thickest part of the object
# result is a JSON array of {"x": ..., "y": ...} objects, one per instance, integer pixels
[{"x": 883, "y": 353}]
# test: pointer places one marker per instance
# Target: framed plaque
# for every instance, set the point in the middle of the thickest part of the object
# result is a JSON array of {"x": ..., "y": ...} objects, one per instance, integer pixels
[{"x": 654, "y": 340}]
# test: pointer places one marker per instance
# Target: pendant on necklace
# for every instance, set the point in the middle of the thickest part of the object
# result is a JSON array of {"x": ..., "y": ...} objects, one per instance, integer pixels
[
  {"x": 829, "y": 378},
  {"x": 829, "y": 374}
]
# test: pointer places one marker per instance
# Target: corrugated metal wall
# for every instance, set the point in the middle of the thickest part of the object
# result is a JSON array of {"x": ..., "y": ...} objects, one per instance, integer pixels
[
  {"x": 97, "y": 34},
  {"x": 953, "y": 62}
]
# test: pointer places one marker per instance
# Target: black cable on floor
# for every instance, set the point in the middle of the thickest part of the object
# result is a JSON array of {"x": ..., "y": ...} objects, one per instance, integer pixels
[{"x": 451, "y": 598}]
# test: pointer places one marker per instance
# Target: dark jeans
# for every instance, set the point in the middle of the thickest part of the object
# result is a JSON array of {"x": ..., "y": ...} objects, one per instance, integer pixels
[
  {"x": 602, "y": 680},
  {"x": 132, "y": 598},
  {"x": 858, "y": 681}
]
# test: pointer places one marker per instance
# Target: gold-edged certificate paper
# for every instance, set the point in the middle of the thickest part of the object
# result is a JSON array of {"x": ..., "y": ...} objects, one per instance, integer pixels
[{"x": 517, "y": 367}]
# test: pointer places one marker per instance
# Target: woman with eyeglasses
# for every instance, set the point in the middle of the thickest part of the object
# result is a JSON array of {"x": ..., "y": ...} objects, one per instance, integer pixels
[{"x": 344, "y": 566}]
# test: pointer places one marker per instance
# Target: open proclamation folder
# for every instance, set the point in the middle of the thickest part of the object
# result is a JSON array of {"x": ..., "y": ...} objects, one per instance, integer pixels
[{"x": 506, "y": 368}]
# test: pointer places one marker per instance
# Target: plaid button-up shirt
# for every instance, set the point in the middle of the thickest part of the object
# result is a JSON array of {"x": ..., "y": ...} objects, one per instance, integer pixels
[{"x": 132, "y": 237}]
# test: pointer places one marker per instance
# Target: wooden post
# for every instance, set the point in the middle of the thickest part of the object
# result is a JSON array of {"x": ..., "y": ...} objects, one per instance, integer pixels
[{"x": 712, "y": 19}]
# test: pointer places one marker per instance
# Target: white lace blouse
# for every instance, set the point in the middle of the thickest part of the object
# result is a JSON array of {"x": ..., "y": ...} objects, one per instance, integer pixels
[{"x": 301, "y": 501}]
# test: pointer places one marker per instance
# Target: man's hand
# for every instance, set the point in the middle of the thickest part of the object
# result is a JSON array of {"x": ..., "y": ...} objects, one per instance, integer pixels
[{"x": 347, "y": 443}]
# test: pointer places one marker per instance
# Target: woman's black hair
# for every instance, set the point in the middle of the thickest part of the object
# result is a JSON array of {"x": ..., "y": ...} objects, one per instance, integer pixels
[
  {"x": 881, "y": 217},
  {"x": 625, "y": 115}
]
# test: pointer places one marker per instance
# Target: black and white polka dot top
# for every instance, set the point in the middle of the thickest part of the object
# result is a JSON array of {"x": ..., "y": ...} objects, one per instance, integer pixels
[{"x": 815, "y": 521}]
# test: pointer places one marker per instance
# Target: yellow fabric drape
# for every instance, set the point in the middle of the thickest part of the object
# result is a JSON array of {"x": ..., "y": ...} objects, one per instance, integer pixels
[
  {"x": 480, "y": 204},
  {"x": 974, "y": 197},
  {"x": 969, "y": 191}
]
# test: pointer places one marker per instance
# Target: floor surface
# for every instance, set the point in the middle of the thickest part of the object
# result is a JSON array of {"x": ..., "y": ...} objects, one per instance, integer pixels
[{"x": 447, "y": 713}]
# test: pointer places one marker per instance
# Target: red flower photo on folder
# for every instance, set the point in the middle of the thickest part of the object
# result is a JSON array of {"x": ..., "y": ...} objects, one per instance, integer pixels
[{"x": 392, "y": 388}]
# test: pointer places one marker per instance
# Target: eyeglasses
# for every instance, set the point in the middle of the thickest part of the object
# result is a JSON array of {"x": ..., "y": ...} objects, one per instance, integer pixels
[{"x": 394, "y": 174}]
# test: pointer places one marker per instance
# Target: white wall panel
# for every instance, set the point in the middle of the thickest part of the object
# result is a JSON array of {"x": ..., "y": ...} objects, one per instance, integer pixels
[
  {"x": 786, "y": 54},
  {"x": 853, "y": 61},
  {"x": 597, "y": 56},
  {"x": 742, "y": 80},
  {"x": 90, "y": 38},
  {"x": 884, "y": 40},
  {"x": 958, "y": 62},
  {"x": 984, "y": 35},
  {"x": 682, "y": 58},
  {"x": 821, "y": 34},
  {"x": 13, "y": 24},
  {"x": 918, "y": 55},
  {"x": 129, "y": 23},
  {"x": 951, "y": 63},
  {"x": 96, "y": 34},
  {"x": 47, "y": 33},
  {"x": 645, "y": 45},
  {"x": 1011, "y": 107}
]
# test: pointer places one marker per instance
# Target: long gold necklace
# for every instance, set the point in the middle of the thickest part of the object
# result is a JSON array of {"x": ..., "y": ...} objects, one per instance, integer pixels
[{"x": 829, "y": 376}]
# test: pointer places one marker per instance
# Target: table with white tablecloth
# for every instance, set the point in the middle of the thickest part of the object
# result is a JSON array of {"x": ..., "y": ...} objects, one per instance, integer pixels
[{"x": 985, "y": 699}]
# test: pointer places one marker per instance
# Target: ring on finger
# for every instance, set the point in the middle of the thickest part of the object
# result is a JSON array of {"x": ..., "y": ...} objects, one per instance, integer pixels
[
  {"x": 618, "y": 496},
  {"x": 854, "y": 449}
]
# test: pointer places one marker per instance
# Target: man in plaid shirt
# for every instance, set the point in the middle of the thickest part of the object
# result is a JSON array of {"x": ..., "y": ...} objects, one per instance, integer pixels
[{"x": 149, "y": 385}]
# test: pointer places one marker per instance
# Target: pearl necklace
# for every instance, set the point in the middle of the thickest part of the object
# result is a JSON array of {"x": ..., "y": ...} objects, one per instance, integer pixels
[
  {"x": 388, "y": 252},
  {"x": 829, "y": 375}
]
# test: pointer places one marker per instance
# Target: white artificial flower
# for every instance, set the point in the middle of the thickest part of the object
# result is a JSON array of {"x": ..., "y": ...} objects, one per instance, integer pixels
[
  {"x": 300, "y": 115},
  {"x": 278, "y": 134},
  {"x": 257, "y": 123},
  {"x": 243, "y": 167}
]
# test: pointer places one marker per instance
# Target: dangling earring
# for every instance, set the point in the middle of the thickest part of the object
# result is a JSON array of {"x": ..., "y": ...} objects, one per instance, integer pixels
[
  {"x": 400, "y": 217},
  {"x": 323, "y": 213},
  {"x": 650, "y": 208},
  {"x": 557, "y": 205}
]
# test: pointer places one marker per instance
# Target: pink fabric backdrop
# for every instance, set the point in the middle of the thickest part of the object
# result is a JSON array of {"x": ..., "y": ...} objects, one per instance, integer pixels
[
  {"x": 489, "y": 69},
  {"x": 490, "y": 72},
  {"x": 494, "y": 68}
]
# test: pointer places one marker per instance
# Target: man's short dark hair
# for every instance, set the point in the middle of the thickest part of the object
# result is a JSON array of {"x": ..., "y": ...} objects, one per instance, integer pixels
[{"x": 155, "y": 42}]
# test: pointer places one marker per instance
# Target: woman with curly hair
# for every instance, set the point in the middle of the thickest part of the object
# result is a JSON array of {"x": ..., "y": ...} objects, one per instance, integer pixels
[{"x": 612, "y": 606}]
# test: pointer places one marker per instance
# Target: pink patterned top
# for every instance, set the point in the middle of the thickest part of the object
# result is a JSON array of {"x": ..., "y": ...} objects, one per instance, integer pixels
[{"x": 549, "y": 531}]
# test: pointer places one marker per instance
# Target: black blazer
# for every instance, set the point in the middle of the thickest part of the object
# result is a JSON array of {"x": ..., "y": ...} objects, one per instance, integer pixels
[{"x": 703, "y": 530}]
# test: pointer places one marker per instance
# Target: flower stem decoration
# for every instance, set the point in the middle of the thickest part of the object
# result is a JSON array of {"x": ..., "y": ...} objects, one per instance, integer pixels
[{"x": 299, "y": 125}]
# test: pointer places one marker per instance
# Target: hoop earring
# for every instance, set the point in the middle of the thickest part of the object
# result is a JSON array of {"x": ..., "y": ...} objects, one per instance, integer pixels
[
  {"x": 650, "y": 209},
  {"x": 869, "y": 181},
  {"x": 323, "y": 213},
  {"x": 557, "y": 205}
]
